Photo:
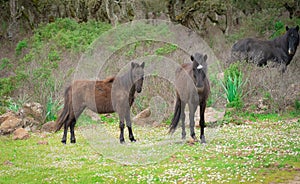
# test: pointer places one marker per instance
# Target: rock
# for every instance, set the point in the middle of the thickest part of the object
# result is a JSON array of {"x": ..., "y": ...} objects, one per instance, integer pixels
[
  {"x": 143, "y": 118},
  {"x": 34, "y": 110},
  {"x": 21, "y": 134},
  {"x": 4, "y": 117},
  {"x": 10, "y": 124},
  {"x": 144, "y": 114},
  {"x": 94, "y": 116},
  {"x": 212, "y": 115},
  {"x": 49, "y": 126},
  {"x": 30, "y": 122}
]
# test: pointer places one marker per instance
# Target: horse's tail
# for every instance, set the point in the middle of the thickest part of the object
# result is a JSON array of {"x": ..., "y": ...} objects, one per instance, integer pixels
[
  {"x": 176, "y": 116},
  {"x": 66, "y": 110}
]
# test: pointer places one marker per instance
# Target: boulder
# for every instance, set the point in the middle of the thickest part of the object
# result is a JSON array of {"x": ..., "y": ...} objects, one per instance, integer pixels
[
  {"x": 10, "y": 124},
  {"x": 21, "y": 134},
  {"x": 94, "y": 116},
  {"x": 213, "y": 115},
  {"x": 33, "y": 110},
  {"x": 143, "y": 118},
  {"x": 4, "y": 116},
  {"x": 49, "y": 126},
  {"x": 144, "y": 114},
  {"x": 31, "y": 124}
]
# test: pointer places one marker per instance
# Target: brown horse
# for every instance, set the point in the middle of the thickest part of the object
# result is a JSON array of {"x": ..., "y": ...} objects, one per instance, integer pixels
[
  {"x": 192, "y": 88},
  {"x": 114, "y": 94}
]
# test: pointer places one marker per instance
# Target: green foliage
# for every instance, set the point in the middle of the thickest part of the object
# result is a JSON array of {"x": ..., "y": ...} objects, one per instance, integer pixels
[
  {"x": 52, "y": 108},
  {"x": 7, "y": 86},
  {"x": 20, "y": 46},
  {"x": 140, "y": 31},
  {"x": 53, "y": 56},
  {"x": 13, "y": 106},
  {"x": 169, "y": 120},
  {"x": 68, "y": 34},
  {"x": 279, "y": 29},
  {"x": 38, "y": 72},
  {"x": 233, "y": 85},
  {"x": 109, "y": 119},
  {"x": 5, "y": 63},
  {"x": 166, "y": 49}
]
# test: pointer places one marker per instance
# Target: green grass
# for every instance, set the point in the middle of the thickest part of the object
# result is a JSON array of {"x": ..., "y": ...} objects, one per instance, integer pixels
[{"x": 255, "y": 152}]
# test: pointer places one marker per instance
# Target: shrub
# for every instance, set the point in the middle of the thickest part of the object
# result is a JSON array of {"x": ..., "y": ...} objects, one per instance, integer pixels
[
  {"x": 20, "y": 46},
  {"x": 233, "y": 85},
  {"x": 52, "y": 108}
]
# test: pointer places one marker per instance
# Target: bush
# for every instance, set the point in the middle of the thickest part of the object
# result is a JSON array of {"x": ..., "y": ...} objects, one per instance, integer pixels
[
  {"x": 20, "y": 46},
  {"x": 52, "y": 108}
]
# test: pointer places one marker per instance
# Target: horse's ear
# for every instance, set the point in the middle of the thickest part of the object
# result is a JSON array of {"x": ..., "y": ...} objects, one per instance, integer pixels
[
  {"x": 205, "y": 57},
  {"x": 133, "y": 64},
  {"x": 143, "y": 64},
  {"x": 287, "y": 28},
  {"x": 192, "y": 57},
  {"x": 297, "y": 28}
]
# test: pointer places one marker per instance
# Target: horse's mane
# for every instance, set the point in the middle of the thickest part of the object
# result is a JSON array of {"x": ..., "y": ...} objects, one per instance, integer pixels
[{"x": 109, "y": 79}]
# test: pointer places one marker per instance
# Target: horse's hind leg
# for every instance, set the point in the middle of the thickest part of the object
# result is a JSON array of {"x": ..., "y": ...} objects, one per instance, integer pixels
[
  {"x": 73, "y": 122},
  {"x": 128, "y": 124},
  {"x": 64, "y": 138},
  {"x": 72, "y": 126},
  {"x": 182, "y": 117},
  {"x": 202, "y": 121}
]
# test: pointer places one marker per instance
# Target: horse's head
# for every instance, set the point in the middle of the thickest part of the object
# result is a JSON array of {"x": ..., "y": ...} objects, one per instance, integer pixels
[
  {"x": 293, "y": 39},
  {"x": 199, "y": 70},
  {"x": 137, "y": 74}
]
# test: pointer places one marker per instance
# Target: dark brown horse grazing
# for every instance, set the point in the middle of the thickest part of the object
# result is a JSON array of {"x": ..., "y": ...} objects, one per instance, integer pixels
[
  {"x": 114, "y": 94},
  {"x": 192, "y": 88}
]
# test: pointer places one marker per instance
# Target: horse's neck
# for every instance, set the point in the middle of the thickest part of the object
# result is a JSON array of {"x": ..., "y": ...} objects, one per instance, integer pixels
[
  {"x": 127, "y": 83},
  {"x": 281, "y": 41}
]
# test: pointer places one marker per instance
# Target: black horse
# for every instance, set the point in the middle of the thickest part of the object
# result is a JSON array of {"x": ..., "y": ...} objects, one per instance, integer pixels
[
  {"x": 280, "y": 50},
  {"x": 192, "y": 88}
]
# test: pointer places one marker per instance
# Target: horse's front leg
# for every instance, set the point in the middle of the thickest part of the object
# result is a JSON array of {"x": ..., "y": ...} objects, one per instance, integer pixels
[
  {"x": 202, "y": 121},
  {"x": 122, "y": 126},
  {"x": 192, "y": 109},
  {"x": 128, "y": 124},
  {"x": 182, "y": 117}
]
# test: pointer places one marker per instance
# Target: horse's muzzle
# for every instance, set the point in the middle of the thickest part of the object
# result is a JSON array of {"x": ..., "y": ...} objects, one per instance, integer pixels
[
  {"x": 200, "y": 89},
  {"x": 139, "y": 90},
  {"x": 291, "y": 52}
]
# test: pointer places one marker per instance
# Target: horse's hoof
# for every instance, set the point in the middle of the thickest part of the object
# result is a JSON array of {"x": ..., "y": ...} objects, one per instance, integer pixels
[
  {"x": 122, "y": 141},
  {"x": 64, "y": 141},
  {"x": 203, "y": 141},
  {"x": 73, "y": 141},
  {"x": 133, "y": 140}
]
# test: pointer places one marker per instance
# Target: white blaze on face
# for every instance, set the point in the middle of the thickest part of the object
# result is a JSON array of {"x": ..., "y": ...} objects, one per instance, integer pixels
[
  {"x": 290, "y": 51},
  {"x": 199, "y": 67}
]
